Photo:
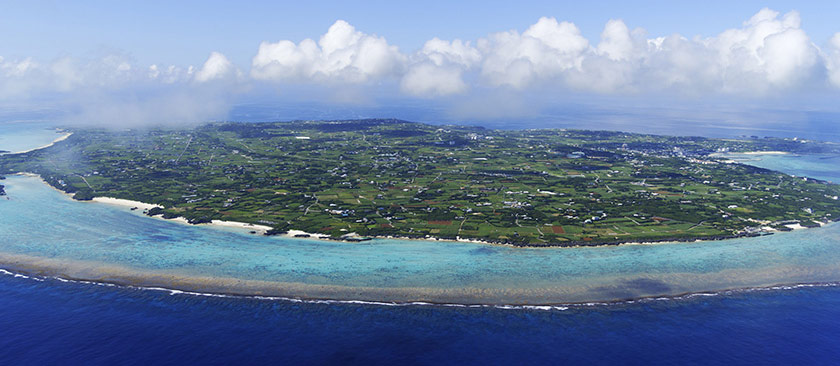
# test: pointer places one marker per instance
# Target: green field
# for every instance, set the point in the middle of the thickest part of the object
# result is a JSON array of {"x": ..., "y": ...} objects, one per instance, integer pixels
[{"x": 390, "y": 177}]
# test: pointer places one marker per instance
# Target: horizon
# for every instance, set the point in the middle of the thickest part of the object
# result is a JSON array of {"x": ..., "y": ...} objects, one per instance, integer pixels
[
  {"x": 757, "y": 65},
  {"x": 471, "y": 182}
]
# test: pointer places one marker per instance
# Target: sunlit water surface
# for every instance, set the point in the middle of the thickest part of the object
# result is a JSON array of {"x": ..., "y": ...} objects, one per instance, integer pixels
[
  {"x": 110, "y": 243},
  {"x": 46, "y": 320},
  {"x": 819, "y": 166},
  {"x": 20, "y": 136}
]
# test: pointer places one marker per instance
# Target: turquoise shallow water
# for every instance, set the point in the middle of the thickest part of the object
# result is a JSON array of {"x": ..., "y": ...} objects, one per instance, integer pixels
[
  {"x": 47, "y": 321},
  {"x": 44, "y": 231},
  {"x": 16, "y": 137},
  {"x": 824, "y": 167}
]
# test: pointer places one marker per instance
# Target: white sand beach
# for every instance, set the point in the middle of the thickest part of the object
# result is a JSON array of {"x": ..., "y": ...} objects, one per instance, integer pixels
[
  {"x": 62, "y": 138},
  {"x": 294, "y": 233},
  {"x": 765, "y": 153},
  {"x": 241, "y": 225},
  {"x": 125, "y": 203},
  {"x": 261, "y": 229}
]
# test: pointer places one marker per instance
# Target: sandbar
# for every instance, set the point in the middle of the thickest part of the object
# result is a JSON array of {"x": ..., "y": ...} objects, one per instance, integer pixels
[{"x": 62, "y": 138}]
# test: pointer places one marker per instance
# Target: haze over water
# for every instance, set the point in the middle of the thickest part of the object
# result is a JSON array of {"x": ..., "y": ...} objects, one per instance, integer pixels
[
  {"x": 663, "y": 121},
  {"x": 712, "y": 68}
]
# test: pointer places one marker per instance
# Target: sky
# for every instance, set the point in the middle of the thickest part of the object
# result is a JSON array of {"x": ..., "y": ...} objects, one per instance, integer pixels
[{"x": 156, "y": 62}]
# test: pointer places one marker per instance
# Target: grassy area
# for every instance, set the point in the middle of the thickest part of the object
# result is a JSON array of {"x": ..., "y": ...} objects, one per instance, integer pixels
[{"x": 388, "y": 177}]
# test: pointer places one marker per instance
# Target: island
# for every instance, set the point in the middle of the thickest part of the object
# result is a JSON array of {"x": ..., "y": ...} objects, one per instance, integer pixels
[{"x": 359, "y": 179}]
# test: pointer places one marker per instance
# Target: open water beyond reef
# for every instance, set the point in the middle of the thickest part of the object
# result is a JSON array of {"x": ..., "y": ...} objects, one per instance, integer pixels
[{"x": 738, "y": 310}]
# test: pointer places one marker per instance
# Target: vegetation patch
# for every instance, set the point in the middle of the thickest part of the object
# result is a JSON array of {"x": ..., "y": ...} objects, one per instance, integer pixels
[{"x": 383, "y": 177}]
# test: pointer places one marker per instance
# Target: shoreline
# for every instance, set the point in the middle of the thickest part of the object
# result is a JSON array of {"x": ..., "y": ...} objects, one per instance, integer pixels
[
  {"x": 124, "y": 203},
  {"x": 724, "y": 154},
  {"x": 59, "y": 139},
  {"x": 300, "y": 234},
  {"x": 600, "y": 286},
  {"x": 354, "y": 238},
  {"x": 765, "y": 153},
  {"x": 144, "y": 206},
  {"x": 259, "y": 229}
]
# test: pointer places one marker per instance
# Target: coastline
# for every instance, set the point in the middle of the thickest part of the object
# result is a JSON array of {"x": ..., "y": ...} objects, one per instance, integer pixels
[
  {"x": 124, "y": 203},
  {"x": 259, "y": 229},
  {"x": 353, "y": 238},
  {"x": 764, "y": 153},
  {"x": 59, "y": 139},
  {"x": 205, "y": 276},
  {"x": 724, "y": 154},
  {"x": 144, "y": 206},
  {"x": 300, "y": 234}
]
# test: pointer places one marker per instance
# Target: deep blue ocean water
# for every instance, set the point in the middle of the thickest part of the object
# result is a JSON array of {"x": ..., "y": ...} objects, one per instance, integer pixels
[
  {"x": 52, "y": 322},
  {"x": 736, "y": 120},
  {"x": 47, "y": 321}
]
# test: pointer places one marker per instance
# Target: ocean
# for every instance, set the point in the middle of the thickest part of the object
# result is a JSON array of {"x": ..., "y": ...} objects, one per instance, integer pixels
[
  {"x": 20, "y": 136},
  {"x": 47, "y": 232},
  {"x": 716, "y": 121},
  {"x": 819, "y": 166},
  {"x": 45, "y": 320}
]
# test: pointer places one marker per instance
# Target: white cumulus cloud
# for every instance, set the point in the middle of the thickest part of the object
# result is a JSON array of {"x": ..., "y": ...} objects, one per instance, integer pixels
[
  {"x": 342, "y": 54},
  {"x": 216, "y": 67},
  {"x": 833, "y": 60},
  {"x": 547, "y": 48},
  {"x": 769, "y": 53}
]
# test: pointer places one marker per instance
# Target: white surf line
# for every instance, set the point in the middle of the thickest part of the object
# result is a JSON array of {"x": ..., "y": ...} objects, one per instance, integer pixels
[{"x": 544, "y": 307}]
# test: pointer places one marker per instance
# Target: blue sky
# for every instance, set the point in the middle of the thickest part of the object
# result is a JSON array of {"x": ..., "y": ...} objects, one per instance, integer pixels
[
  {"x": 471, "y": 59},
  {"x": 184, "y": 32}
]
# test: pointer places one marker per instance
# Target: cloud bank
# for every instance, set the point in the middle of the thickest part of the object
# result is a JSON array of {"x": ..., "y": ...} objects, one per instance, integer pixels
[
  {"x": 768, "y": 55},
  {"x": 114, "y": 91}
]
